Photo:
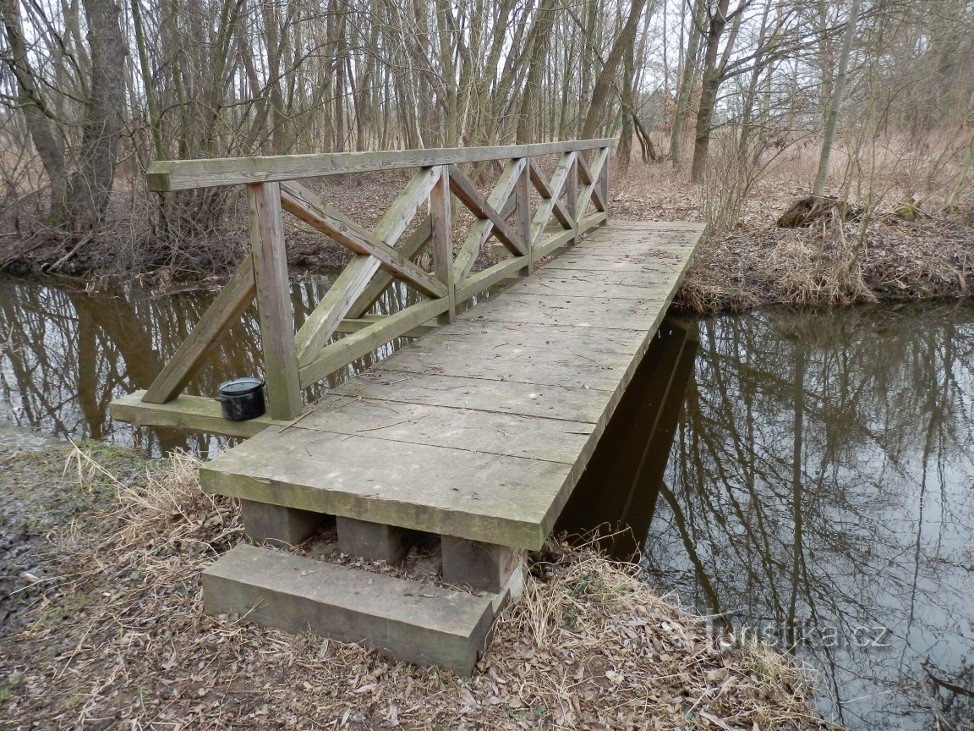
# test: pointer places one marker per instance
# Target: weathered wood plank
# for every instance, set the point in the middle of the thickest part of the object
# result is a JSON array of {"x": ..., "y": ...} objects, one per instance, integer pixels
[
  {"x": 193, "y": 413},
  {"x": 170, "y": 175},
  {"x": 482, "y": 209},
  {"x": 555, "y": 440},
  {"x": 433, "y": 489},
  {"x": 558, "y": 182},
  {"x": 545, "y": 191},
  {"x": 481, "y": 229},
  {"x": 522, "y": 197},
  {"x": 351, "y": 283},
  {"x": 219, "y": 317},
  {"x": 441, "y": 228},
  {"x": 340, "y": 353},
  {"x": 304, "y": 204},
  {"x": 408, "y": 247},
  {"x": 274, "y": 300}
]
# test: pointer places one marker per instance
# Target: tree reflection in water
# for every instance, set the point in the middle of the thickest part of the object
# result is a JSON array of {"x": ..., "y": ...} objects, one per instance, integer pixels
[
  {"x": 820, "y": 489},
  {"x": 65, "y": 354}
]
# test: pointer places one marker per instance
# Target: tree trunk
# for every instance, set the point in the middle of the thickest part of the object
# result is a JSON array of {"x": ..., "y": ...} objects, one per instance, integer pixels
[
  {"x": 604, "y": 83},
  {"x": 90, "y": 184},
  {"x": 708, "y": 91},
  {"x": 828, "y": 134},
  {"x": 39, "y": 125},
  {"x": 685, "y": 91}
]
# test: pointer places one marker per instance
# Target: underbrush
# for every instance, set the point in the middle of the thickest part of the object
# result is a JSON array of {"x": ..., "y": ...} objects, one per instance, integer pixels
[{"x": 120, "y": 639}]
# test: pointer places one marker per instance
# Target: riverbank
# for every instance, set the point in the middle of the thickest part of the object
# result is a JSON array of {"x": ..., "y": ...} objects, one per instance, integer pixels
[
  {"x": 108, "y": 629},
  {"x": 893, "y": 254}
]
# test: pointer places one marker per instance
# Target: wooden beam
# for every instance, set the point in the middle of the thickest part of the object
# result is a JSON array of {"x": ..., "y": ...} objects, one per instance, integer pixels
[
  {"x": 442, "y": 230},
  {"x": 274, "y": 300},
  {"x": 321, "y": 323},
  {"x": 545, "y": 191},
  {"x": 481, "y": 229},
  {"x": 171, "y": 175},
  {"x": 185, "y": 412},
  {"x": 522, "y": 194},
  {"x": 219, "y": 317},
  {"x": 591, "y": 179},
  {"x": 303, "y": 203},
  {"x": 353, "y": 325},
  {"x": 482, "y": 209},
  {"x": 409, "y": 247},
  {"x": 558, "y": 181},
  {"x": 340, "y": 353}
]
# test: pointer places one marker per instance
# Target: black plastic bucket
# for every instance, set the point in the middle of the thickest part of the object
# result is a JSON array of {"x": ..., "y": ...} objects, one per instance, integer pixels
[{"x": 242, "y": 399}]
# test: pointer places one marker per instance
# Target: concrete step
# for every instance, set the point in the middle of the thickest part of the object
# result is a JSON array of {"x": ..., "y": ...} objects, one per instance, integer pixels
[{"x": 404, "y": 619}]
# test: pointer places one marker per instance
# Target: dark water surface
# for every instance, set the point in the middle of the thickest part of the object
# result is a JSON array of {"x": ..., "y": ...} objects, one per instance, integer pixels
[{"x": 806, "y": 477}]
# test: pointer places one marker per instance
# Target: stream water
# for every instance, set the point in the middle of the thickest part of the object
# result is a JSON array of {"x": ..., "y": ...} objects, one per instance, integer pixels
[{"x": 816, "y": 483}]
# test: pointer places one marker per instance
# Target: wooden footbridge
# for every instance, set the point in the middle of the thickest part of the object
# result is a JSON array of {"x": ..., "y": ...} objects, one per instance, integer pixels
[{"x": 475, "y": 435}]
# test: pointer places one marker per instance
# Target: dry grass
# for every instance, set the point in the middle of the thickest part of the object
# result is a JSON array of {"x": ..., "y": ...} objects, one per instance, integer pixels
[
  {"x": 121, "y": 641},
  {"x": 750, "y": 262}
]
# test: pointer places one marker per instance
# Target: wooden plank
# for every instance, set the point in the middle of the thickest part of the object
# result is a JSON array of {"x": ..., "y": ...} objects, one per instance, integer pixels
[
  {"x": 545, "y": 191},
  {"x": 533, "y": 365},
  {"x": 522, "y": 196},
  {"x": 304, "y": 204},
  {"x": 193, "y": 413},
  {"x": 481, "y": 394},
  {"x": 471, "y": 494},
  {"x": 405, "y": 619},
  {"x": 441, "y": 228},
  {"x": 482, "y": 209},
  {"x": 571, "y": 191},
  {"x": 591, "y": 180},
  {"x": 554, "y": 440},
  {"x": 351, "y": 283},
  {"x": 482, "y": 228},
  {"x": 408, "y": 248},
  {"x": 558, "y": 181},
  {"x": 274, "y": 300},
  {"x": 577, "y": 311},
  {"x": 348, "y": 326},
  {"x": 219, "y": 317},
  {"x": 340, "y": 353},
  {"x": 170, "y": 175}
]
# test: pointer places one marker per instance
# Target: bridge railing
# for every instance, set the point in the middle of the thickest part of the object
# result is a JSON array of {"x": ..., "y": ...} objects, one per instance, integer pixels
[{"x": 296, "y": 360}]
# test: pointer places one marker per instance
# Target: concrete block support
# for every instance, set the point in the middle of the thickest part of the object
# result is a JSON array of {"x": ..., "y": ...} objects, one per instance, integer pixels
[
  {"x": 276, "y": 524},
  {"x": 373, "y": 541},
  {"x": 479, "y": 566}
]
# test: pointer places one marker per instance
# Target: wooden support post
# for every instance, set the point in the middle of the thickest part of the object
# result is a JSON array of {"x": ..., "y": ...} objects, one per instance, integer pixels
[
  {"x": 441, "y": 227},
  {"x": 374, "y": 541},
  {"x": 480, "y": 566},
  {"x": 277, "y": 524},
  {"x": 274, "y": 300},
  {"x": 604, "y": 185},
  {"x": 571, "y": 197},
  {"x": 522, "y": 195}
]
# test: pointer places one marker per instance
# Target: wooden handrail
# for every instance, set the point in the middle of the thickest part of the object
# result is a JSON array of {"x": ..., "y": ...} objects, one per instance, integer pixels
[
  {"x": 167, "y": 175},
  {"x": 294, "y": 361}
]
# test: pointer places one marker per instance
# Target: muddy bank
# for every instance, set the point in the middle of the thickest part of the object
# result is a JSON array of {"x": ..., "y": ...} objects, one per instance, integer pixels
[
  {"x": 115, "y": 636},
  {"x": 887, "y": 258}
]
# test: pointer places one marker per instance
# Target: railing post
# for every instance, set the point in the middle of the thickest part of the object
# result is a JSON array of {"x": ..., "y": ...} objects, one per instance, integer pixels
[
  {"x": 522, "y": 201},
  {"x": 274, "y": 300},
  {"x": 441, "y": 226},
  {"x": 604, "y": 184},
  {"x": 571, "y": 197}
]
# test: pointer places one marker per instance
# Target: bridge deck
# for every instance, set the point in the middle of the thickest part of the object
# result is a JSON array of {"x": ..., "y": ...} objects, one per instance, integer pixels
[{"x": 481, "y": 430}]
